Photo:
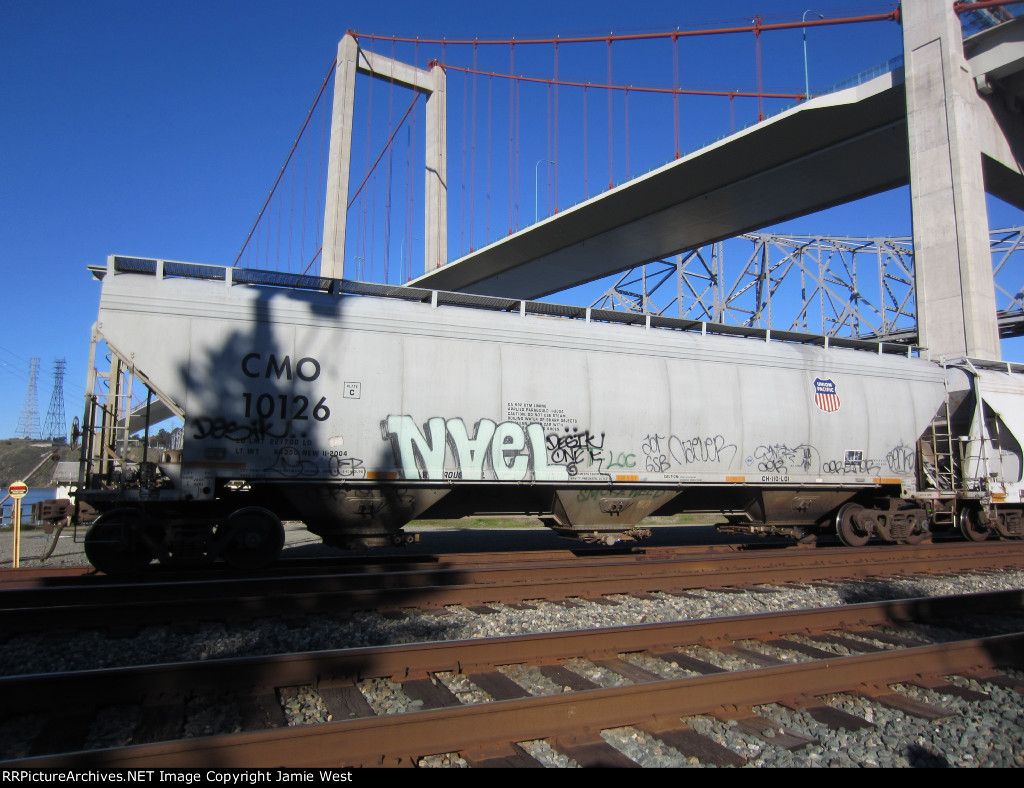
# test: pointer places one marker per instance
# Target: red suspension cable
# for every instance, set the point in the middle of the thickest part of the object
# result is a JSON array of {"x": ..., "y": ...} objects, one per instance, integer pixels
[
  {"x": 285, "y": 165},
  {"x": 892, "y": 16},
  {"x": 980, "y": 5},
  {"x": 385, "y": 149},
  {"x": 631, "y": 88}
]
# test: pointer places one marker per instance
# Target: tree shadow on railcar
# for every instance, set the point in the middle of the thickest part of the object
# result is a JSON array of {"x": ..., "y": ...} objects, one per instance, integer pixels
[{"x": 294, "y": 467}]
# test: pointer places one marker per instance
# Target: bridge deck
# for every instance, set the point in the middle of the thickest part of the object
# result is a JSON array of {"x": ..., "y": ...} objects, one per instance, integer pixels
[
  {"x": 830, "y": 150},
  {"x": 825, "y": 152}
]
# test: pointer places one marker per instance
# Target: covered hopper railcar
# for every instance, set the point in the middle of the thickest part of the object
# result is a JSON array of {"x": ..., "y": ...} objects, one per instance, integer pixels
[{"x": 356, "y": 408}]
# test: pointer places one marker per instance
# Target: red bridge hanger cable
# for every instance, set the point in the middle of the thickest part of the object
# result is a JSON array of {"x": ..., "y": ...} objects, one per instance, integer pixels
[{"x": 284, "y": 166}]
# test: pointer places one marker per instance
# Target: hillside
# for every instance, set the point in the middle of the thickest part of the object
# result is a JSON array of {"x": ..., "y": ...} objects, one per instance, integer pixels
[{"x": 18, "y": 456}]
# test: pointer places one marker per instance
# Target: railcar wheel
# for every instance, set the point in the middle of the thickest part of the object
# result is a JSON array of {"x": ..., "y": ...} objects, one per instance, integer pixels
[
  {"x": 915, "y": 537},
  {"x": 918, "y": 533},
  {"x": 971, "y": 526},
  {"x": 115, "y": 542},
  {"x": 851, "y": 533},
  {"x": 254, "y": 538}
]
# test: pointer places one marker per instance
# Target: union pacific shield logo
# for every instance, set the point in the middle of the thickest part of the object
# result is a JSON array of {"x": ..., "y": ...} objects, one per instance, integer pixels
[{"x": 825, "y": 396}]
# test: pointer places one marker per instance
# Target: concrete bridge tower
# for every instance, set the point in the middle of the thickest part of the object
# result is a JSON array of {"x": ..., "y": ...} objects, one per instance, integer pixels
[{"x": 948, "y": 123}]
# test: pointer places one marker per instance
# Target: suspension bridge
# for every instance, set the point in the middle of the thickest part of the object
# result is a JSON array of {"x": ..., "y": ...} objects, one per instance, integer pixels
[{"x": 443, "y": 145}]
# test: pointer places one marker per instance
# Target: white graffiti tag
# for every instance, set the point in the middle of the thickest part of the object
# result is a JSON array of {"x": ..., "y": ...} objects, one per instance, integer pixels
[{"x": 505, "y": 451}]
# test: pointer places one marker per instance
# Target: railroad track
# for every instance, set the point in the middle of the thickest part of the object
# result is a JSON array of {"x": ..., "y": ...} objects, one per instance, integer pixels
[
  {"x": 782, "y": 677},
  {"x": 82, "y": 602}
]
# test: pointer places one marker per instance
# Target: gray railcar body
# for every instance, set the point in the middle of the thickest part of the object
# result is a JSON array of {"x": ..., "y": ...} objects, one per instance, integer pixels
[{"x": 356, "y": 413}]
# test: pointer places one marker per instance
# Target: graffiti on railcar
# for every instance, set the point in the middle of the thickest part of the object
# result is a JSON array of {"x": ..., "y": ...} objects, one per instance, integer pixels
[
  {"x": 254, "y": 431},
  {"x": 778, "y": 458},
  {"x": 346, "y": 467},
  {"x": 854, "y": 463},
  {"x": 507, "y": 451},
  {"x": 664, "y": 452},
  {"x": 701, "y": 449},
  {"x": 291, "y": 464},
  {"x": 576, "y": 450},
  {"x": 901, "y": 459}
]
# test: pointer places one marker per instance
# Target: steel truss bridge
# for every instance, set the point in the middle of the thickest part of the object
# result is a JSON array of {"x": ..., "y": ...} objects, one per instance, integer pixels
[{"x": 852, "y": 287}]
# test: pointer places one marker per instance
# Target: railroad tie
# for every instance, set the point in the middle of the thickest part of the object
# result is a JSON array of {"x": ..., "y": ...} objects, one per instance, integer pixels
[
  {"x": 431, "y": 695},
  {"x": 754, "y": 657},
  {"x": 261, "y": 710},
  {"x": 344, "y": 701},
  {"x": 944, "y": 687},
  {"x": 837, "y": 719},
  {"x": 999, "y": 680},
  {"x": 590, "y": 751},
  {"x": 801, "y": 648},
  {"x": 514, "y": 757},
  {"x": 161, "y": 720},
  {"x": 830, "y": 716},
  {"x": 691, "y": 744},
  {"x": 567, "y": 678},
  {"x": 887, "y": 637},
  {"x": 852, "y": 644},
  {"x": 687, "y": 662},
  {"x": 773, "y": 733},
  {"x": 915, "y": 708},
  {"x": 64, "y": 731},
  {"x": 627, "y": 670},
  {"x": 498, "y": 685}
]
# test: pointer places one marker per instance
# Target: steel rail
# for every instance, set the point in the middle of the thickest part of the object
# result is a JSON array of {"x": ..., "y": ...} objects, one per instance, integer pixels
[
  {"x": 36, "y": 692},
  {"x": 401, "y": 739},
  {"x": 86, "y": 576},
  {"x": 51, "y": 576},
  {"x": 487, "y": 568},
  {"x": 123, "y": 605}
]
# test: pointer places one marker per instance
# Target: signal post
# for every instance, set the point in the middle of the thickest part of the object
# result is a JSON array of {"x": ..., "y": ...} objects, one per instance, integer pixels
[{"x": 17, "y": 491}]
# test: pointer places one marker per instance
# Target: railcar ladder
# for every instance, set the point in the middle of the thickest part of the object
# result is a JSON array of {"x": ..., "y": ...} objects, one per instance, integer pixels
[
  {"x": 107, "y": 428},
  {"x": 943, "y": 471}
]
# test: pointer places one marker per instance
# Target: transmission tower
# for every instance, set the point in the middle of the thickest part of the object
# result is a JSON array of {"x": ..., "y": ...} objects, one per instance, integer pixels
[
  {"x": 28, "y": 422},
  {"x": 56, "y": 427}
]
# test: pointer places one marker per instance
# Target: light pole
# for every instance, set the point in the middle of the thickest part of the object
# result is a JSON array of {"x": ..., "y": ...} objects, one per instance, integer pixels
[
  {"x": 536, "y": 198},
  {"x": 807, "y": 79}
]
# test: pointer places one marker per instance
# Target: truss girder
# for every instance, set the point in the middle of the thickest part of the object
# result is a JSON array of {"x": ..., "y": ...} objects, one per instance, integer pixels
[{"x": 854, "y": 287}]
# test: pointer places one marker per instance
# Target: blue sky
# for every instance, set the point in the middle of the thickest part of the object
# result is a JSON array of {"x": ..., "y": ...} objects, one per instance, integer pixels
[{"x": 157, "y": 129}]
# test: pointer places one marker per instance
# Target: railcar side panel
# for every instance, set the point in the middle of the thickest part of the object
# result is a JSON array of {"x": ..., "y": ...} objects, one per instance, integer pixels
[{"x": 365, "y": 411}]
